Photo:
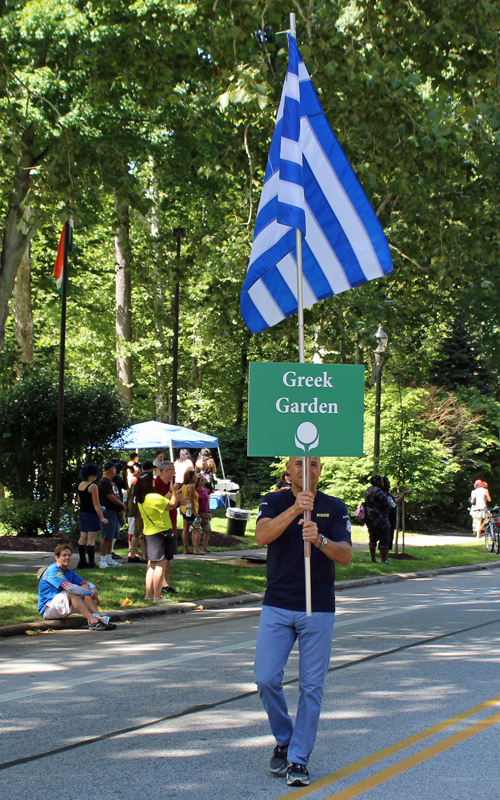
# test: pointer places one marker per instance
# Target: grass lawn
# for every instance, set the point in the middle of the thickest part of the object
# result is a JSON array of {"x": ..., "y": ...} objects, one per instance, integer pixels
[
  {"x": 195, "y": 581},
  {"x": 10, "y": 559}
]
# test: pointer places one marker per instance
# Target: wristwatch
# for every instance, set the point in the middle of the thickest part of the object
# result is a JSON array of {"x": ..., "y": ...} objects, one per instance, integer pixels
[{"x": 324, "y": 541}]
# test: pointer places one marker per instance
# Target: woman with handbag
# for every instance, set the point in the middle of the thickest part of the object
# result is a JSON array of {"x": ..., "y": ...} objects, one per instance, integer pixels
[{"x": 161, "y": 541}]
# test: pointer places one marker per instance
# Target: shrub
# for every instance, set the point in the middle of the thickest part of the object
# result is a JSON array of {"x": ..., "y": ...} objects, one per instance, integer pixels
[
  {"x": 26, "y": 517},
  {"x": 93, "y": 417}
]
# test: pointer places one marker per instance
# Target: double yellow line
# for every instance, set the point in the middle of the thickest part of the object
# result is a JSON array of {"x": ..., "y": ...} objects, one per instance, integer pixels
[{"x": 402, "y": 766}]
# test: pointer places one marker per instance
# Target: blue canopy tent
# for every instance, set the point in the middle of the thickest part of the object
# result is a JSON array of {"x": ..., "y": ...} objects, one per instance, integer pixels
[{"x": 154, "y": 434}]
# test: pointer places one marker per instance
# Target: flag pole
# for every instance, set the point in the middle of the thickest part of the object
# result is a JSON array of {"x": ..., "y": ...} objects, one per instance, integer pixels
[
  {"x": 306, "y": 461},
  {"x": 60, "y": 398}
]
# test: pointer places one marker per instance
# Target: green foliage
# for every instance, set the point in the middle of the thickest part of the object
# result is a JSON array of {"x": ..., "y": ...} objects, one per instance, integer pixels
[
  {"x": 459, "y": 363},
  {"x": 171, "y": 108},
  {"x": 25, "y": 516},
  {"x": 437, "y": 441},
  {"x": 93, "y": 417}
]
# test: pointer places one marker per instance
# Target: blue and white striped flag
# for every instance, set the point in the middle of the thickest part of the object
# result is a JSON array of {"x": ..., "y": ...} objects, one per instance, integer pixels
[{"x": 309, "y": 185}]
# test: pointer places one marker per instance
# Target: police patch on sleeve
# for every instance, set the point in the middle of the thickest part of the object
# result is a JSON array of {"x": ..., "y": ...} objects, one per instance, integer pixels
[{"x": 348, "y": 525}]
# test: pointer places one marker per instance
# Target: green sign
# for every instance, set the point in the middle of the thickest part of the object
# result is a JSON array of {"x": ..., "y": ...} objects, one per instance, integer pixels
[{"x": 305, "y": 410}]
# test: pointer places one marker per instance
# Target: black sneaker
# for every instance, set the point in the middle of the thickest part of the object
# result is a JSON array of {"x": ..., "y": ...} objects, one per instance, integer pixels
[
  {"x": 279, "y": 761},
  {"x": 297, "y": 775},
  {"x": 115, "y": 555},
  {"x": 101, "y": 626},
  {"x": 169, "y": 590},
  {"x": 136, "y": 560}
]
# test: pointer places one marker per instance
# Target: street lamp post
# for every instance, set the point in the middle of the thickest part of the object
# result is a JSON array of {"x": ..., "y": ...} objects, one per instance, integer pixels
[
  {"x": 381, "y": 338},
  {"x": 179, "y": 233}
]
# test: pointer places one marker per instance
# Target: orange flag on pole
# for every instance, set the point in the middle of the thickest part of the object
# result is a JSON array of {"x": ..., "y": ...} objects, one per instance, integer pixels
[{"x": 59, "y": 265}]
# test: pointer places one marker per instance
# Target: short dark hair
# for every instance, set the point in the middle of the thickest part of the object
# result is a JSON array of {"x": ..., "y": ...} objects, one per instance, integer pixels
[
  {"x": 148, "y": 465},
  {"x": 144, "y": 485},
  {"x": 87, "y": 470},
  {"x": 160, "y": 451},
  {"x": 107, "y": 465},
  {"x": 375, "y": 479}
]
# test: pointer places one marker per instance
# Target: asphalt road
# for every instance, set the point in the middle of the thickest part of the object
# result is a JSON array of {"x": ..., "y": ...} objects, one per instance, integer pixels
[{"x": 409, "y": 708}]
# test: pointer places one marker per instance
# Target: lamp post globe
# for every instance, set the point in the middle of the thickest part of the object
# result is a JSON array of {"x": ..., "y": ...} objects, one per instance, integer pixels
[{"x": 382, "y": 339}]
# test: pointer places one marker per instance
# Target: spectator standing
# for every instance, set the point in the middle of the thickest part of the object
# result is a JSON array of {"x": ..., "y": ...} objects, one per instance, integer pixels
[
  {"x": 480, "y": 497},
  {"x": 109, "y": 498},
  {"x": 163, "y": 485},
  {"x": 158, "y": 461},
  {"x": 206, "y": 464},
  {"x": 154, "y": 509},
  {"x": 395, "y": 501},
  {"x": 285, "y": 482},
  {"x": 204, "y": 512},
  {"x": 61, "y": 592},
  {"x": 189, "y": 507},
  {"x": 377, "y": 507},
  {"x": 91, "y": 515},
  {"x": 283, "y": 619},
  {"x": 135, "y": 526},
  {"x": 182, "y": 463},
  {"x": 122, "y": 492},
  {"x": 129, "y": 472}
]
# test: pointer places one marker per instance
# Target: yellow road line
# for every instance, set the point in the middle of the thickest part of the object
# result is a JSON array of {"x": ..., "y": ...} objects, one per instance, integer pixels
[
  {"x": 413, "y": 761},
  {"x": 351, "y": 769}
]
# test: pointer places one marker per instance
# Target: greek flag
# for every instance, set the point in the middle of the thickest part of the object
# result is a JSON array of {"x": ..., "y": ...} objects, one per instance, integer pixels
[{"x": 309, "y": 185}]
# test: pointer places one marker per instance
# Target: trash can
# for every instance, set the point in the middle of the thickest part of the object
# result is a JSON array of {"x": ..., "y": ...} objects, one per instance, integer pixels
[{"x": 237, "y": 519}]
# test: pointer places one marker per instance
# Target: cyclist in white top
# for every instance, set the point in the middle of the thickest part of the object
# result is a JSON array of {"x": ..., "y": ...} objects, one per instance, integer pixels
[{"x": 479, "y": 499}]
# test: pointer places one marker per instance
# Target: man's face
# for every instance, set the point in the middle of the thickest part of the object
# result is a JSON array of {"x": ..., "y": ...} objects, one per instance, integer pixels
[
  {"x": 294, "y": 467},
  {"x": 167, "y": 474},
  {"x": 110, "y": 473},
  {"x": 63, "y": 560},
  {"x": 160, "y": 456}
]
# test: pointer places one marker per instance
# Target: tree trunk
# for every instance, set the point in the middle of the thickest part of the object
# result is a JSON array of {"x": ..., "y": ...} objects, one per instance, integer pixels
[
  {"x": 161, "y": 321},
  {"x": 123, "y": 294},
  {"x": 15, "y": 238},
  {"x": 23, "y": 310}
]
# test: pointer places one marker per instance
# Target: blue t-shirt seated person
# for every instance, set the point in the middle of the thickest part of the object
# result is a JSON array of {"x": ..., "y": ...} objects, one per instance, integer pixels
[{"x": 62, "y": 592}]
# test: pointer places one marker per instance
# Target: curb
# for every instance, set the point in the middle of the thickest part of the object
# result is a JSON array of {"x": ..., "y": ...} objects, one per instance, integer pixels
[{"x": 77, "y": 622}]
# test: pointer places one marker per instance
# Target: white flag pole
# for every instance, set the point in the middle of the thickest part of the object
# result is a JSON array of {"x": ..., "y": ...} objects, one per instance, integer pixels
[{"x": 306, "y": 461}]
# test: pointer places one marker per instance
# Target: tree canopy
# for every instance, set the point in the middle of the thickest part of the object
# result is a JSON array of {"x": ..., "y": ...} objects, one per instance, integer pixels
[{"x": 165, "y": 112}]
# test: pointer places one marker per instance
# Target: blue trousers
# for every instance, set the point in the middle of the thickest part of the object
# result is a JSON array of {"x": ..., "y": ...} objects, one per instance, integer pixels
[{"x": 278, "y": 630}]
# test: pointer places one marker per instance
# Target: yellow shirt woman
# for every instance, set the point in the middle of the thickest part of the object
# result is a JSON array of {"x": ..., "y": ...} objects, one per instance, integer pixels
[{"x": 195, "y": 502}]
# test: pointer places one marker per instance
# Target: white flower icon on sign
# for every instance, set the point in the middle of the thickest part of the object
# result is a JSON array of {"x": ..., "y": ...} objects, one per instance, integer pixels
[{"x": 307, "y": 434}]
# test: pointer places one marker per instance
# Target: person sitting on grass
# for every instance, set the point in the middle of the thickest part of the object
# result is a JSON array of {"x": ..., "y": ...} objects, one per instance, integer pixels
[{"x": 61, "y": 592}]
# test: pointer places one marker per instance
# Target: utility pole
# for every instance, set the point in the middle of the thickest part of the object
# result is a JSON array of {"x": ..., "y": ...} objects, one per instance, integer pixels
[{"x": 179, "y": 233}]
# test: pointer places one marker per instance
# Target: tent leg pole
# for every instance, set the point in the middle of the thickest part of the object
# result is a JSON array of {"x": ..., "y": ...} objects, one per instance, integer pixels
[
  {"x": 221, "y": 464},
  {"x": 171, "y": 453}
]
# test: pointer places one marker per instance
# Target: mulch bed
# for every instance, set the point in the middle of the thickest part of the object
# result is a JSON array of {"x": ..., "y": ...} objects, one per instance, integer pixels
[{"x": 46, "y": 544}]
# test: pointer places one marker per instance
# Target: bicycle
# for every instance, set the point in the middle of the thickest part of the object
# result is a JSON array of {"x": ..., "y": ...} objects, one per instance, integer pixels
[{"x": 492, "y": 531}]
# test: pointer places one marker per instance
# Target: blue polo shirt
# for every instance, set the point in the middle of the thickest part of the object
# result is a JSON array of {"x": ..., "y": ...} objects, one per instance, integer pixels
[
  {"x": 50, "y": 584},
  {"x": 285, "y": 556}
]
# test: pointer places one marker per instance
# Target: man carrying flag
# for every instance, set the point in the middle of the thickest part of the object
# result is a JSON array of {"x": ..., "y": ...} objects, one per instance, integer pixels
[
  {"x": 283, "y": 618},
  {"x": 316, "y": 235}
]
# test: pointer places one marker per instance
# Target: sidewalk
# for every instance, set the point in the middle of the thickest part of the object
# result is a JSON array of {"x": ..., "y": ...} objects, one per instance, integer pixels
[{"x": 33, "y": 560}]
